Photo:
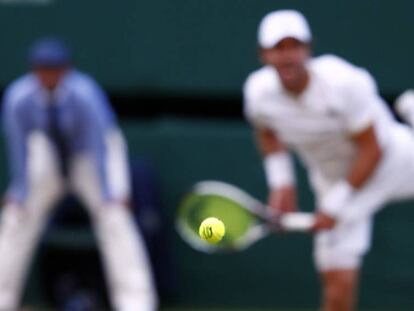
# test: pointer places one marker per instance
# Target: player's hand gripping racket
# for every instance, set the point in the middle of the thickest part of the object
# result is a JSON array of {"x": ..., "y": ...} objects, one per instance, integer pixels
[{"x": 247, "y": 220}]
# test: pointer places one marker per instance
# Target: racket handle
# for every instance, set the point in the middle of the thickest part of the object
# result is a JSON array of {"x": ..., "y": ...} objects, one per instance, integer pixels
[{"x": 297, "y": 221}]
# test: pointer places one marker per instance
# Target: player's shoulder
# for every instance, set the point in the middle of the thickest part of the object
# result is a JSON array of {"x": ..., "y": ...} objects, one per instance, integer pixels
[
  {"x": 20, "y": 89},
  {"x": 89, "y": 94},
  {"x": 332, "y": 64},
  {"x": 341, "y": 73},
  {"x": 260, "y": 82},
  {"x": 82, "y": 84}
]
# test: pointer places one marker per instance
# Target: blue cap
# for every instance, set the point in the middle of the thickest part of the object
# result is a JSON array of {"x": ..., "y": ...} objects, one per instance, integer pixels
[{"x": 49, "y": 52}]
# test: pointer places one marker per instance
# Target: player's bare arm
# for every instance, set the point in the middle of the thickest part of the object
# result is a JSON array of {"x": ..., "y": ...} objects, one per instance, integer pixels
[
  {"x": 368, "y": 156},
  {"x": 282, "y": 196},
  {"x": 268, "y": 142}
]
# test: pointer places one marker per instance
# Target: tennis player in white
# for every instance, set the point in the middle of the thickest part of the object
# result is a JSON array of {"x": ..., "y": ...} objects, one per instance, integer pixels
[{"x": 330, "y": 114}]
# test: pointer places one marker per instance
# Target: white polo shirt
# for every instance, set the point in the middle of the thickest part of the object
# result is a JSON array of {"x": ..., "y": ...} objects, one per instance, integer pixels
[{"x": 340, "y": 100}]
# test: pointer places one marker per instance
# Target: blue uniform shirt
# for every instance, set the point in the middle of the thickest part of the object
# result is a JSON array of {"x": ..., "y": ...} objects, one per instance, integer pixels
[{"x": 84, "y": 117}]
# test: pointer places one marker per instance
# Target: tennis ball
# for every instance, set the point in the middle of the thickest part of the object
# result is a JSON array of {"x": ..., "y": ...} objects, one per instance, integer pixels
[{"x": 212, "y": 230}]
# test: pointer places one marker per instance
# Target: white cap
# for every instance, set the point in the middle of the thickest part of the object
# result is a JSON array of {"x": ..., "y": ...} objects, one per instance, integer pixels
[{"x": 278, "y": 25}]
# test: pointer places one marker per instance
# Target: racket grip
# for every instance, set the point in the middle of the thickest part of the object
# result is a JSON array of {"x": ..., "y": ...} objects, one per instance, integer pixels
[{"x": 301, "y": 222}]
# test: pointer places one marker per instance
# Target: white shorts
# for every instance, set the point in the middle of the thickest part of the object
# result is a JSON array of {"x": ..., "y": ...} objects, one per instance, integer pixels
[{"x": 345, "y": 245}]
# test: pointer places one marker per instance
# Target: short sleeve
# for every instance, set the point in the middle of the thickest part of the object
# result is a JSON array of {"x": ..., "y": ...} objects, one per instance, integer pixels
[
  {"x": 252, "y": 97},
  {"x": 360, "y": 100}
]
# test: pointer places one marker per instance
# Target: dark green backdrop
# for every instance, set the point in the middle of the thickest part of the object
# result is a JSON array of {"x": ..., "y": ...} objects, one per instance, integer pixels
[
  {"x": 202, "y": 46},
  {"x": 207, "y": 47}
]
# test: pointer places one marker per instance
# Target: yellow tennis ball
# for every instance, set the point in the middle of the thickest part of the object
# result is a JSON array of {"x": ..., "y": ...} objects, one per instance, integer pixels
[{"x": 212, "y": 230}]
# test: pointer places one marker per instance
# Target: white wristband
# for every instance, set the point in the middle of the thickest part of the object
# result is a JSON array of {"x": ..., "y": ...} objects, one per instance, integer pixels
[
  {"x": 279, "y": 170},
  {"x": 297, "y": 221},
  {"x": 333, "y": 202}
]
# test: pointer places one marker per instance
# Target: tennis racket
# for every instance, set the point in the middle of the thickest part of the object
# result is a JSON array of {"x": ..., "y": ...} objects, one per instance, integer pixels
[{"x": 247, "y": 220}]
